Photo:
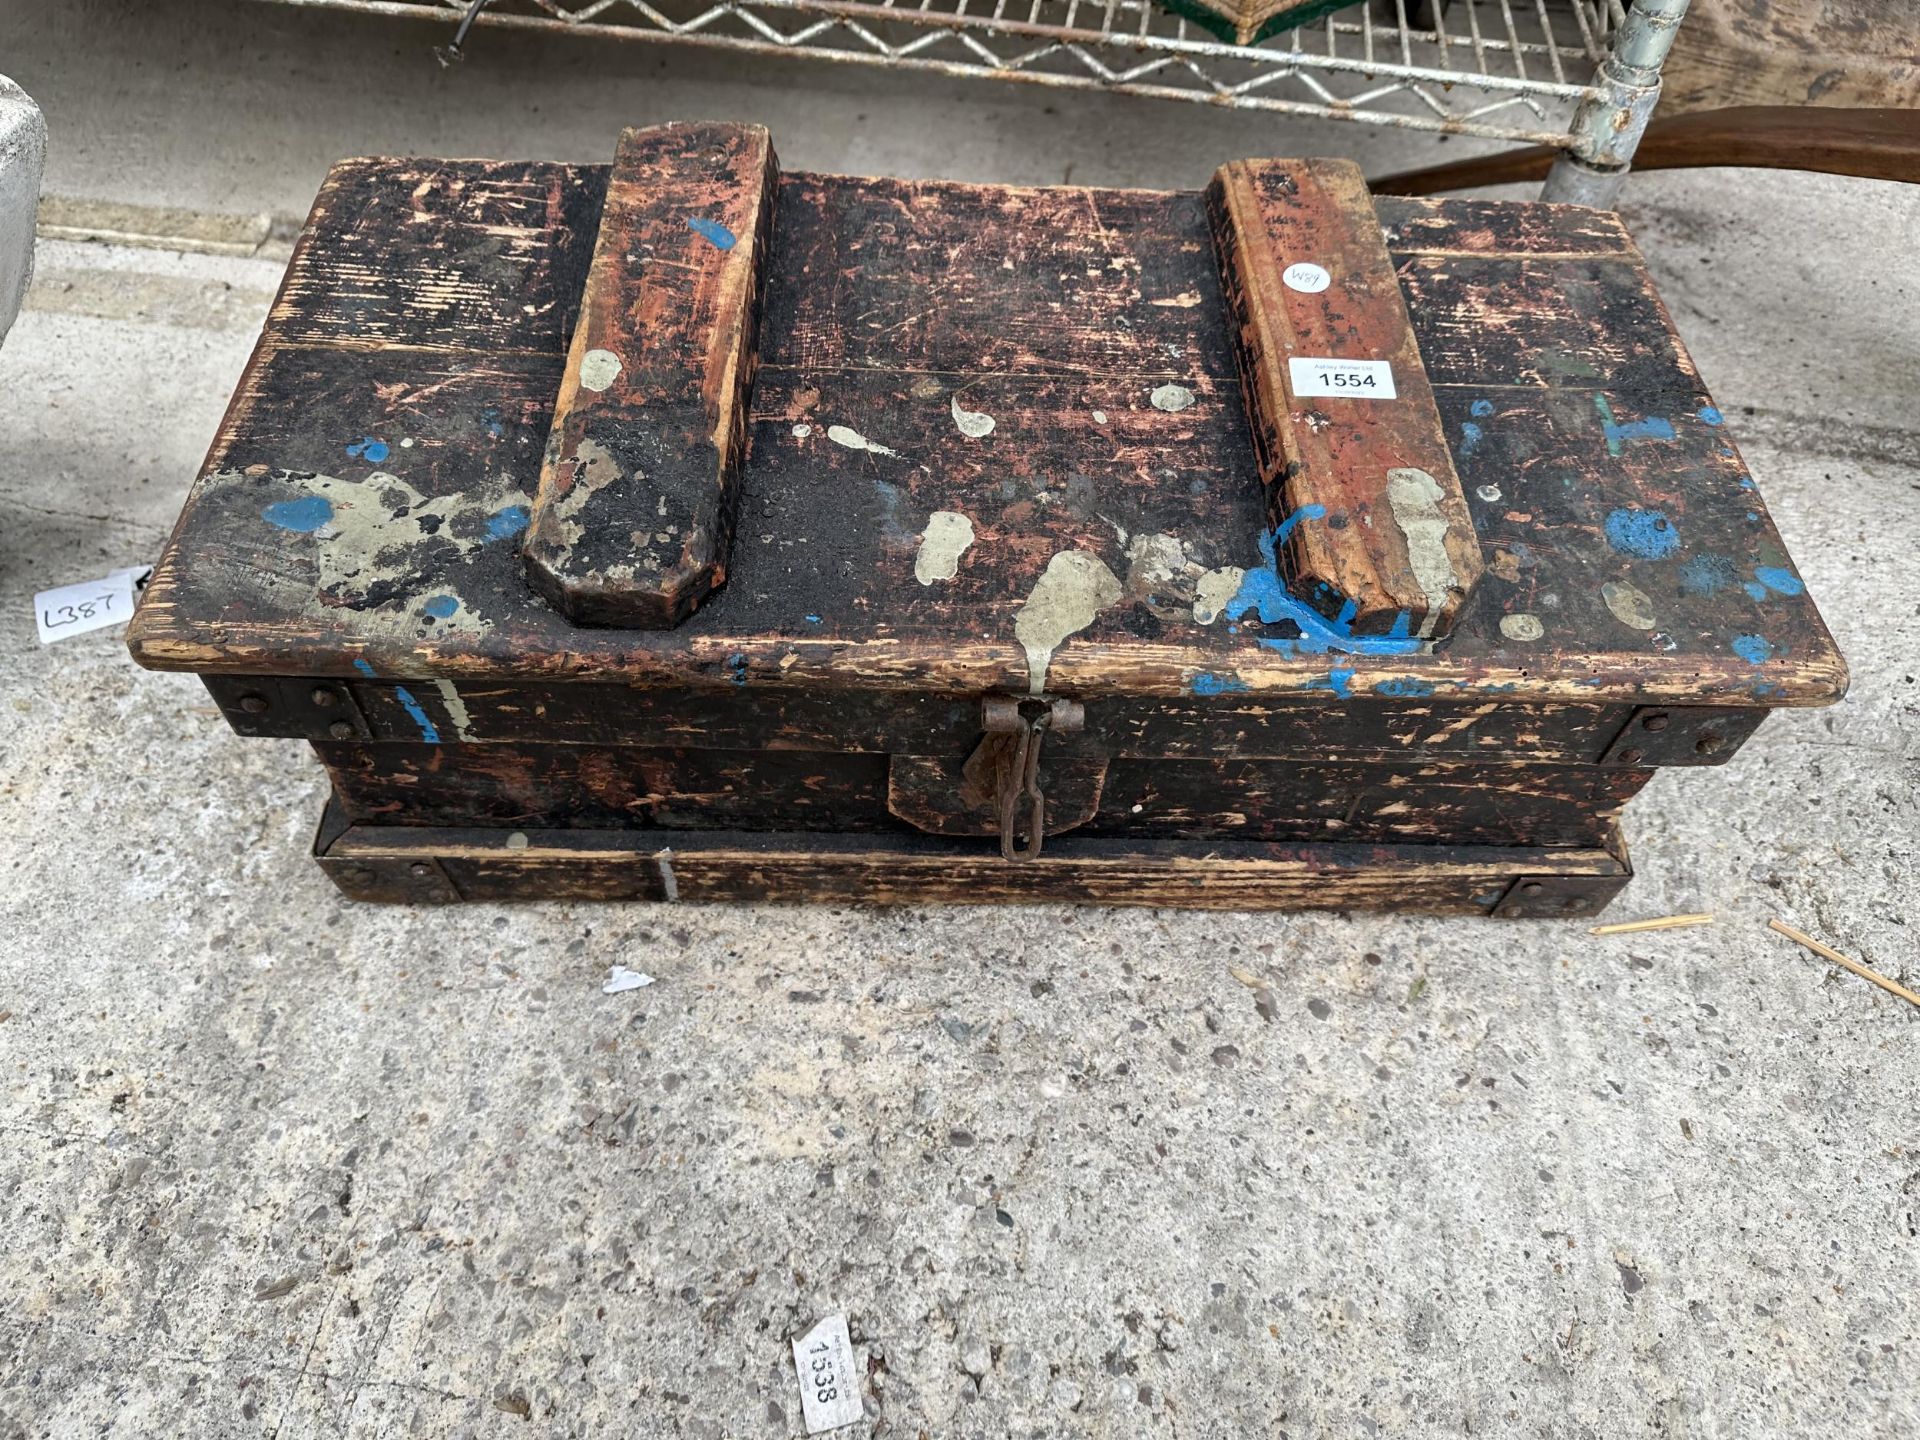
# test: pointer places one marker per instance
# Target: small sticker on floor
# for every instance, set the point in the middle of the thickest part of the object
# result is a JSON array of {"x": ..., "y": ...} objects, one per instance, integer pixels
[
  {"x": 91, "y": 605},
  {"x": 829, "y": 1390}
]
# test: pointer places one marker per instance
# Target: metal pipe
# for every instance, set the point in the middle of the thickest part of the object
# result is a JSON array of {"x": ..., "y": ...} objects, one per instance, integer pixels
[{"x": 1610, "y": 121}]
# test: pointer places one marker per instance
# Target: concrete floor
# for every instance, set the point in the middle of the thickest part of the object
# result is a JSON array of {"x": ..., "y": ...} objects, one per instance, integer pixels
[{"x": 271, "y": 1164}]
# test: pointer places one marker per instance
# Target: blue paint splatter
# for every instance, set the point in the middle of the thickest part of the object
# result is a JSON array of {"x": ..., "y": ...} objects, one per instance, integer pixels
[
  {"x": 813, "y": 619},
  {"x": 713, "y": 231},
  {"x": 1404, "y": 688},
  {"x": 737, "y": 668},
  {"x": 1765, "y": 690},
  {"x": 1754, "y": 649},
  {"x": 1755, "y": 589},
  {"x": 1208, "y": 683},
  {"x": 490, "y": 417},
  {"x": 1779, "y": 580},
  {"x": 370, "y": 449},
  {"x": 420, "y": 717},
  {"x": 1746, "y": 483},
  {"x": 441, "y": 606},
  {"x": 1265, "y": 593},
  {"x": 1340, "y": 682},
  {"x": 1481, "y": 408},
  {"x": 303, "y": 516},
  {"x": 1709, "y": 414},
  {"x": 1706, "y": 575},
  {"x": 1647, "y": 534},
  {"x": 1653, "y": 428},
  {"x": 364, "y": 668},
  {"x": 503, "y": 524},
  {"x": 1470, "y": 437}
]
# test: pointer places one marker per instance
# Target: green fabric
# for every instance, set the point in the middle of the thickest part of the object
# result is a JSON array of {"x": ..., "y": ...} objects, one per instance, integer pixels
[{"x": 1224, "y": 27}]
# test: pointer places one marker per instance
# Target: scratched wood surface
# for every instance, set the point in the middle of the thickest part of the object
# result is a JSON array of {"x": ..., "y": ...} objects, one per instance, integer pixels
[
  {"x": 633, "y": 513},
  {"x": 988, "y": 355},
  {"x": 414, "y": 863},
  {"x": 1397, "y": 552},
  {"x": 575, "y": 786}
]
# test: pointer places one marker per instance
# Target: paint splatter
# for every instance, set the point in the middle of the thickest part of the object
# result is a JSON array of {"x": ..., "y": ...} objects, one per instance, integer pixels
[
  {"x": 1629, "y": 604},
  {"x": 441, "y": 607},
  {"x": 973, "y": 424},
  {"x": 1481, "y": 408},
  {"x": 1207, "y": 683},
  {"x": 1099, "y": 417},
  {"x": 1754, "y": 649},
  {"x": 1652, "y": 428},
  {"x": 1265, "y": 593},
  {"x": 1214, "y": 591},
  {"x": 1415, "y": 498},
  {"x": 456, "y": 708},
  {"x": 1404, "y": 687},
  {"x": 811, "y": 619},
  {"x": 737, "y": 668},
  {"x": 1339, "y": 681},
  {"x": 369, "y": 449},
  {"x": 1644, "y": 534},
  {"x": 1171, "y": 398},
  {"x": 365, "y": 667},
  {"x": 413, "y": 707},
  {"x": 1709, "y": 414},
  {"x": 942, "y": 543},
  {"x": 302, "y": 516},
  {"x": 599, "y": 369},
  {"x": 1470, "y": 437},
  {"x": 1522, "y": 627},
  {"x": 1489, "y": 493},
  {"x": 854, "y": 440},
  {"x": 1779, "y": 580},
  {"x": 800, "y": 432},
  {"x": 713, "y": 232},
  {"x": 490, "y": 418},
  {"x": 1075, "y": 587},
  {"x": 503, "y": 524},
  {"x": 1706, "y": 575},
  {"x": 1185, "y": 300}
]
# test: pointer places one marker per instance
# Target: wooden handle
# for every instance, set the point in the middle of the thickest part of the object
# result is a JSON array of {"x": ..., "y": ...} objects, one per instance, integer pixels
[
  {"x": 634, "y": 513},
  {"x": 1377, "y": 535}
]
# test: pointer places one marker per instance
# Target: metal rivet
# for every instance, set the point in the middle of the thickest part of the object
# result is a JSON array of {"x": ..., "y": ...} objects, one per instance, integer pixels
[
  {"x": 341, "y": 730},
  {"x": 254, "y": 704},
  {"x": 1573, "y": 904},
  {"x": 1532, "y": 887},
  {"x": 1629, "y": 757},
  {"x": 1708, "y": 743},
  {"x": 323, "y": 697},
  {"x": 1655, "y": 722}
]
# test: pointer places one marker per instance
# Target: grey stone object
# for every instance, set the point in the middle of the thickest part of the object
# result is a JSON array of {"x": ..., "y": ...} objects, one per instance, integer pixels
[{"x": 23, "y": 158}]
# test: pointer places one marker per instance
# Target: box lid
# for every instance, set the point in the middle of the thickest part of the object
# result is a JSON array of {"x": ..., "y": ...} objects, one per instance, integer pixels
[{"x": 996, "y": 437}]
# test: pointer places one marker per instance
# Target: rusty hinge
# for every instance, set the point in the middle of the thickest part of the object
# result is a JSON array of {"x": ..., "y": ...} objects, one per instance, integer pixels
[{"x": 1017, "y": 782}]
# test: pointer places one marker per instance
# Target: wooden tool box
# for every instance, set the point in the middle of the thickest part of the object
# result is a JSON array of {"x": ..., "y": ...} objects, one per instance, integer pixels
[{"x": 691, "y": 530}]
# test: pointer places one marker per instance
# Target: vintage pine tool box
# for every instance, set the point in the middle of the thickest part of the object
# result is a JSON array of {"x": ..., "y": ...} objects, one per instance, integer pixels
[{"x": 687, "y": 529}]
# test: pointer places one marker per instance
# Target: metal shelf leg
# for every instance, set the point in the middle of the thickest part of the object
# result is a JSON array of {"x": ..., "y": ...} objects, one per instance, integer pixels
[{"x": 1608, "y": 125}]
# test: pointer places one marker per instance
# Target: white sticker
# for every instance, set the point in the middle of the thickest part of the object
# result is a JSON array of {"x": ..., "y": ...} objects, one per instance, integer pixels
[
  {"x": 1340, "y": 379},
  {"x": 1306, "y": 277},
  {"x": 829, "y": 1391},
  {"x": 94, "y": 605}
]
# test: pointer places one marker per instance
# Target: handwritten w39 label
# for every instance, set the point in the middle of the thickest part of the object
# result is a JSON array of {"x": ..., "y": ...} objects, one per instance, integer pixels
[
  {"x": 1340, "y": 379},
  {"x": 91, "y": 605},
  {"x": 829, "y": 1389}
]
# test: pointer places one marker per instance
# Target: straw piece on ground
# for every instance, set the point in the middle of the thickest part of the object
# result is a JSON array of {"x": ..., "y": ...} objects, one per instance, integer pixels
[
  {"x": 1801, "y": 938},
  {"x": 1665, "y": 922}
]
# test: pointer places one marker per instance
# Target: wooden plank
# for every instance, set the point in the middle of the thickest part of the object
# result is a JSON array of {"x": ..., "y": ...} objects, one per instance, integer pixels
[
  {"x": 1396, "y": 552},
  {"x": 1861, "y": 53},
  {"x": 408, "y": 863},
  {"x": 634, "y": 511}
]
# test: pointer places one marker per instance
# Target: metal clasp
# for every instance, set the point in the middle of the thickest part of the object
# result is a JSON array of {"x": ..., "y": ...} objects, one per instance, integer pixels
[{"x": 1017, "y": 784}]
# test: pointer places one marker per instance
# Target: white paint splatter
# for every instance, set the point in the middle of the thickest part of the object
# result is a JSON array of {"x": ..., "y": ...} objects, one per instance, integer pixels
[
  {"x": 1521, "y": 627},
  {"x": 1489, "y": 493},
  {"x": 620, "y": 979},
  {"x": 599, "y": 369},
  {"x": 1630, "y": 606},
  {"x": 974, "y": 424},
  {"x": 1075, "y": 587},
  {"x": 800, "y": 432},
  {"x": 942, "y": 543},
  {"x": 1414, "y": 496},
  {"x": 517, "y": 840},
  {"x": 854, "y": 440},
  {"x": 1171, "y": 398},
  {"x": 456, "y": 709},
  {"x": 1099, "y": 417},
  {"x": 1215, "y": 589},
  {"x": 669, "y": 885},
  {"x": 1185, "y": 300}
]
